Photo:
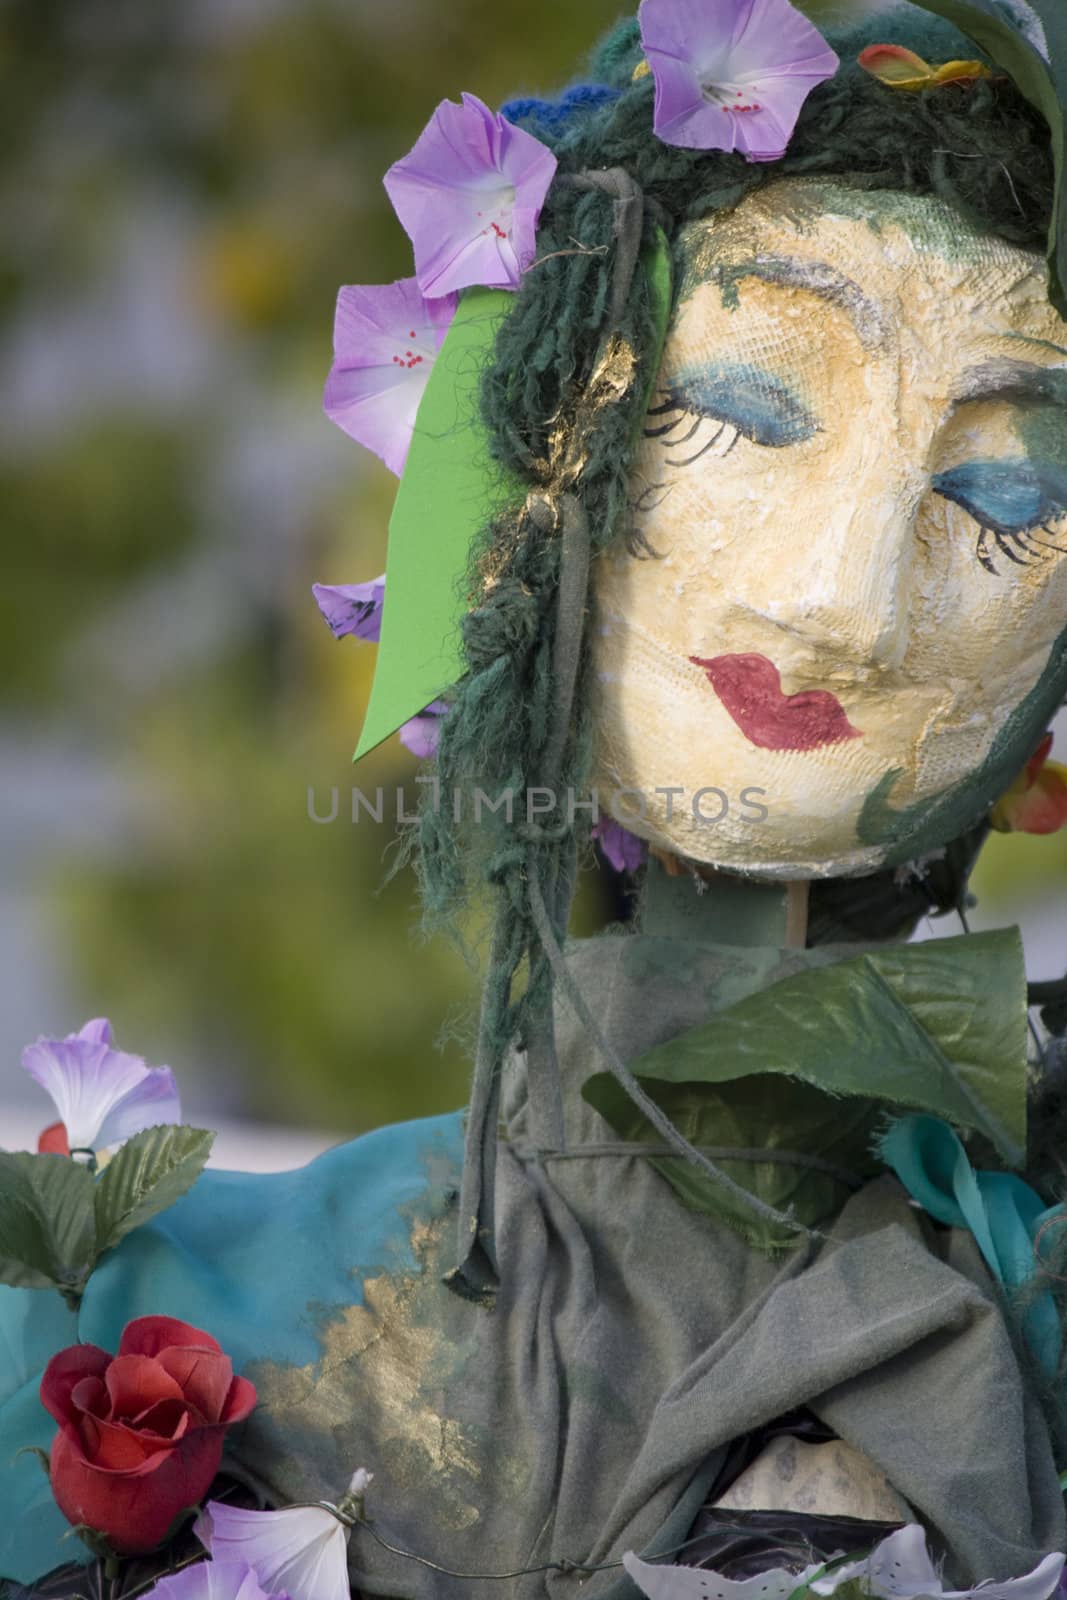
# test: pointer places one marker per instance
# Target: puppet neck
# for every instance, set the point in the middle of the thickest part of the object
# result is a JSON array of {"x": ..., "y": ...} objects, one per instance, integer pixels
[{"x": 681, "y": 901}]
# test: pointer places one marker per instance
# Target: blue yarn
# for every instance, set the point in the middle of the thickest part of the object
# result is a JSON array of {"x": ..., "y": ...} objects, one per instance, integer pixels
[{"x": 553, "y": 115}]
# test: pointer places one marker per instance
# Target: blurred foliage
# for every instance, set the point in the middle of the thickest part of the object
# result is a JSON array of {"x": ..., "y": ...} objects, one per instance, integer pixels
[
  {"x": 80, "y": 532},
  {"x": 185, "y": 186}
]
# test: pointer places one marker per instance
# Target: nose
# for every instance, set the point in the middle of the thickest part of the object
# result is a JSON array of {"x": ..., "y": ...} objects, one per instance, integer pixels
[{"x": 839, "y": 582}]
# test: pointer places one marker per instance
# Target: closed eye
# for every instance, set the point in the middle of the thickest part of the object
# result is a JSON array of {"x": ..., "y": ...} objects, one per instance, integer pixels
[
  {"x": 1013, "y": 503},
  {"x": 740, "y": 401}
]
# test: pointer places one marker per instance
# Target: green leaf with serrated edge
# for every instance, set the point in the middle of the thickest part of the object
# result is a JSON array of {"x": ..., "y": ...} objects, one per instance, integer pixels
[
  {"x": 150, "y": 1172},
  {"x": 47, "y": 1232},
  {"x": 24, "y": 1241},
  {"x": 451, "y": 489},
  {"x": 937, "y": 1027},
  {"x": 1044, "y": 83}
]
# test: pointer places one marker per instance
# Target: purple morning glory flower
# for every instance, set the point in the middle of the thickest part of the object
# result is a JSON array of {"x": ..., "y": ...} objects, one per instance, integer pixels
[
  {"x": 731, "y": 74},
  {"x": 302, "y": 1550},
  {"x": 352, "y": 608},
  {"x": 385, "y": 341},
  {"x": 422, "y": 734},
  {"x": 213, "y": 1580},
  {"x": 103, "y": 1096},
  {"x": 469, "y": 196},
  {"x": 356, "y": 609},
  {"x": 623, "y": 849}
]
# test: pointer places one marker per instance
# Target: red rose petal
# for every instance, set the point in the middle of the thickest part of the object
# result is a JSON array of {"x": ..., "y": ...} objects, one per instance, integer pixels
[
  {"x": 240, "y": 1402},
  {"x": 204, "y": 1378},
  {"x": 169, "y": 1420},
  {"x": 90, "y": 1394},
  {"x": 118, "y": 1447},
  {"x": 150, "y": 1336},
  {"x": 137, "y": 1382},
  {"x": 135, "y": 1510},
  {"x": 63, "y": 1373}
]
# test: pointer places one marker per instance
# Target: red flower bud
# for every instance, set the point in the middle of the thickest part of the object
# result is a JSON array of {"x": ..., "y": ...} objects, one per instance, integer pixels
[
  {"x": 53, "y": 1141},
  {"x": 141, "y": 1433}
]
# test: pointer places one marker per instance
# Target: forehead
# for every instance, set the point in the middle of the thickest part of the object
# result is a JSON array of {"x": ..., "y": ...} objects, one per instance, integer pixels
[{"x": 876, "y": 256}]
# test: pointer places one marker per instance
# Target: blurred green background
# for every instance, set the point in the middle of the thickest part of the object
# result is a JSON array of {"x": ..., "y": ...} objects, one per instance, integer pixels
[{"x": 184, "y": 186}]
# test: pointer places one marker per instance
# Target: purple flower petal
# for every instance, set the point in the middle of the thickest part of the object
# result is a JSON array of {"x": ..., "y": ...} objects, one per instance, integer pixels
[
  {"x": 102, "y": 1096},
  {"x": 301, "y": 1550},
  {"x": 422, "y": 734},
  {"x": 213, "y": 1580},
  {"x": 623, "y": 849},
  {"x": 469, "y": 196},
  {"x": 732, "y": 74},
  {"x": 385, "y": 341},
  {"x": 98, "y": 1031},
  {"x": 352, "y": 608}
]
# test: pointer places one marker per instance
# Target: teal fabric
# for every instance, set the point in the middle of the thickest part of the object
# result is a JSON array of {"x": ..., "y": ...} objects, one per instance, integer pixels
[
  {"x": 1002, "y": 1212},
  {"x": 260, "y": 1262}
]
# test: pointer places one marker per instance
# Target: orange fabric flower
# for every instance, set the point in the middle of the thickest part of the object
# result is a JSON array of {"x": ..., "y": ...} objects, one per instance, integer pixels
[
  {"x": 1037, "y": 800},
  {"x": 898, "y": 68}
]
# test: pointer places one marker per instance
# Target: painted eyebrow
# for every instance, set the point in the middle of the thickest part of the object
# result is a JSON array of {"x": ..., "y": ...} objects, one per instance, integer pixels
[
  {"x": 1012, "y": 380},
  {"x": 819, "y": 278}
]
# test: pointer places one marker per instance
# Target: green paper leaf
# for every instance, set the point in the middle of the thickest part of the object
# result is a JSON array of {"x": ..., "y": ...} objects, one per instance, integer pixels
[
  {"x": 150, "y": 1172},
  {"x": 937, "y": 1027},
  {"x": 47, "y": 1234},
  {"x": 1044, "y": 83},
  {"x": 450, "y": 490}
]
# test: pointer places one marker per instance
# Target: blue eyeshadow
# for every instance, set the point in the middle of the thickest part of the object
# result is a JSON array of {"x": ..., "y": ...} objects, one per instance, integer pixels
[{"x": 757, "y": 405}]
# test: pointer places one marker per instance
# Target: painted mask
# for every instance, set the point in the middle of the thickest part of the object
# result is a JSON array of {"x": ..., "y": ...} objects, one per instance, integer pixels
[{"x": 842, "y": 636}]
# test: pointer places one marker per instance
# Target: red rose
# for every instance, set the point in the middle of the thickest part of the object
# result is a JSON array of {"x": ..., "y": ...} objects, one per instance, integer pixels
[{"x": 141, "y": 1433}]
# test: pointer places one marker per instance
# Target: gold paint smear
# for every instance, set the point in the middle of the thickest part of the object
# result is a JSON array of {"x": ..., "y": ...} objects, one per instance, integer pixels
[{"x": 367, "y": 1400}]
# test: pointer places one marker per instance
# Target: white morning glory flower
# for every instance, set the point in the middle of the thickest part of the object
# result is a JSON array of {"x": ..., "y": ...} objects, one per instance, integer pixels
[
  {"x": 899, "y": 1568},
  {"x": 301, "y": 1551},
  {"x": 102, "y": 1096}
]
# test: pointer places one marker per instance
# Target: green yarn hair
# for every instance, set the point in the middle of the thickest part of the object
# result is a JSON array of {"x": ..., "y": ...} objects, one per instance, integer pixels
[{"x": 983, "y": 150}]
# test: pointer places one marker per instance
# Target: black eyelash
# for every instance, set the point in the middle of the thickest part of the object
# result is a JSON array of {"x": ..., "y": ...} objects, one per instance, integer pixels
[
  {"x": 686, "y": 414},
  {"x": 1021, "y": 555}
]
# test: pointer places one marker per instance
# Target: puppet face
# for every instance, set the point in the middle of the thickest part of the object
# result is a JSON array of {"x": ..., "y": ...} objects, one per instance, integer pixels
[{"x": 852, "y": 487}]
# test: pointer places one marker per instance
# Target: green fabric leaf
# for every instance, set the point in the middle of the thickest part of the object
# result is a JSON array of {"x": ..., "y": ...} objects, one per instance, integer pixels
[
  {"x": 937, "y": 1027},
  {"x": 47, "y": 1234},
  {"x": 150, "y": 1172},
  {"x": 658, "y": 266},
  {"x": 831, "y": 1141},
  {"x": 450, "y": 490},
  {"x": 1044, "y": 83}
]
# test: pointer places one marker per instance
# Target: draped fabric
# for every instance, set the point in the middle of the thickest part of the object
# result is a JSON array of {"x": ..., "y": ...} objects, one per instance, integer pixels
[{"x": 586, "y": 1412}]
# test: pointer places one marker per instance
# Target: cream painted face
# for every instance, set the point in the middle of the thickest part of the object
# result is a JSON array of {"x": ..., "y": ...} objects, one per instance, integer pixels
[{"x": 851, "y": 489}]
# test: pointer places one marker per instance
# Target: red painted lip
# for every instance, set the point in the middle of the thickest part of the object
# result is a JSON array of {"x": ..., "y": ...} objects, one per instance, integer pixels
[{"x": 750, "y": 687}]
